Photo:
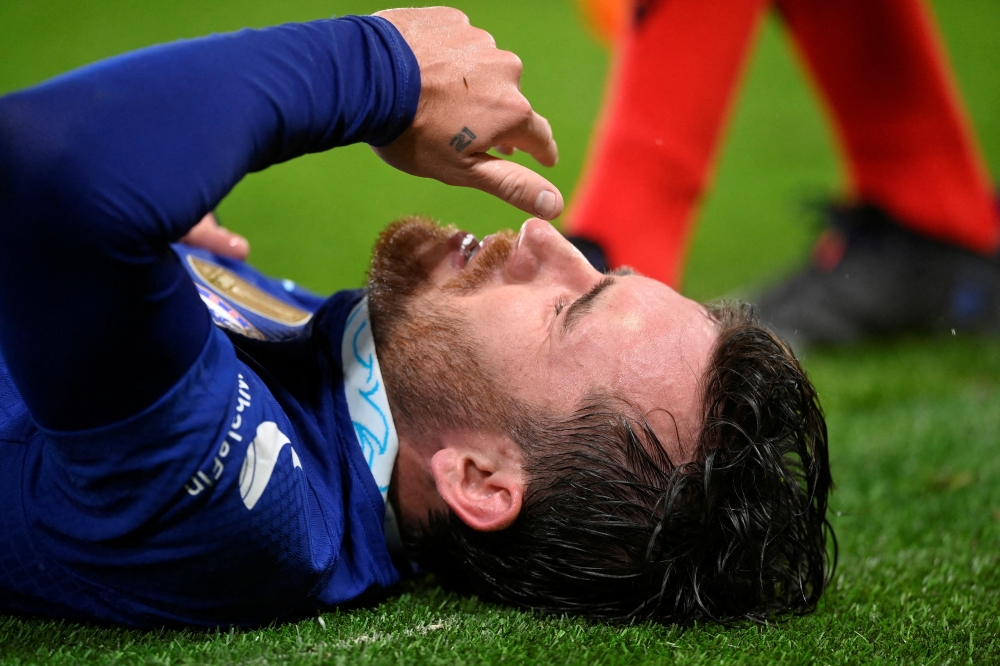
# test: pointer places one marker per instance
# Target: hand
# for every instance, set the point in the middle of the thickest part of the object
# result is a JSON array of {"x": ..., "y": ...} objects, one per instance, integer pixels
[
  {"x": 470, "y": 101},
  {"x": 209, "y": 235}
]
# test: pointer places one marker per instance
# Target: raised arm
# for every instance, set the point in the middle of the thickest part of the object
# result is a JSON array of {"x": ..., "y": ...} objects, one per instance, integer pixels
[{"x": 100, "y": 169}]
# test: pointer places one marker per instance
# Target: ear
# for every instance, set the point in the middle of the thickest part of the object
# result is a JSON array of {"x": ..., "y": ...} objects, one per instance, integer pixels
[{"x": 480, "y": 476}]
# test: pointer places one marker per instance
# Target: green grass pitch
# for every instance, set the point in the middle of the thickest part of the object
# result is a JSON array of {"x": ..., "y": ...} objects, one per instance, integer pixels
[{"x": 915, "y": 424}]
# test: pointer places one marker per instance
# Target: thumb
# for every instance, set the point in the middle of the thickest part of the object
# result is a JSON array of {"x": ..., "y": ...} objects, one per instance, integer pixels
[{"x": 517, "y": 185}]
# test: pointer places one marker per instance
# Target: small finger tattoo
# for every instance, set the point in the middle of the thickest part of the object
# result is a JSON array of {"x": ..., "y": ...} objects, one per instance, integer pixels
[{"x": 462, "y": 140}]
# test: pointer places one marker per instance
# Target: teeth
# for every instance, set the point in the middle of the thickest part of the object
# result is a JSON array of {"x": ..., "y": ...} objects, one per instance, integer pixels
[{"x": 469, "y": 247}]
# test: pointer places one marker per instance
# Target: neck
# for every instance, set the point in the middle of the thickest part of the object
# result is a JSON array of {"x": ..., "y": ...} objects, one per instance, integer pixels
[{"x": 413, "y": 488}]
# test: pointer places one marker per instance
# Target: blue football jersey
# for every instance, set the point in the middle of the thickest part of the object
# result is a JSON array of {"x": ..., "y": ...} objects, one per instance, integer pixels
[{"x": 244, "y": 494}]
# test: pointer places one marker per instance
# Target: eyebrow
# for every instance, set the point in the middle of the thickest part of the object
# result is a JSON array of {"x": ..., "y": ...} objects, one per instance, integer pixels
[{"x": 585, "y": 304}]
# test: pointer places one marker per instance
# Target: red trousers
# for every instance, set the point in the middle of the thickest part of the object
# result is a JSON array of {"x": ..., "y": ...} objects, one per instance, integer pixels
[{"x": 881, "y": 70}]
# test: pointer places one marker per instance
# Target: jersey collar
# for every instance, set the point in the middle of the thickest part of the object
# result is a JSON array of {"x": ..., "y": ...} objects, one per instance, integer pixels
[{"x": 367, "y": 401}]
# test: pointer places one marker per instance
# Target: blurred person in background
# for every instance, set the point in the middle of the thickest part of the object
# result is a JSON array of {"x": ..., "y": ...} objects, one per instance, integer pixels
[{"x": 913, "y": 245}]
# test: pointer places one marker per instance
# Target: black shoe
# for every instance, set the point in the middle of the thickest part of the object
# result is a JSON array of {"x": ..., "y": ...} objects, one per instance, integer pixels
[
  {"x": 591, "y": 250},
  {"x": 870, "y": 277}
]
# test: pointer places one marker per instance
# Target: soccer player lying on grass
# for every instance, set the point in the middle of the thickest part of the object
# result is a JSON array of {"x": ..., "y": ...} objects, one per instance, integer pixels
[{"x": 546, "y": 436}]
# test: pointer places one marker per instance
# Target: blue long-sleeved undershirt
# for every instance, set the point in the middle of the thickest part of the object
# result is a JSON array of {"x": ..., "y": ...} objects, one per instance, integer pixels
[{"x": 103, "y": 167}]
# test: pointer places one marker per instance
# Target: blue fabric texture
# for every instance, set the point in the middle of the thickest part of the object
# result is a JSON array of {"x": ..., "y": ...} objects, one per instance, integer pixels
[
  {"x": 175, "y": 516},
  {"x": 103, "y": 167},
  {"x": 156, "y": 469}
]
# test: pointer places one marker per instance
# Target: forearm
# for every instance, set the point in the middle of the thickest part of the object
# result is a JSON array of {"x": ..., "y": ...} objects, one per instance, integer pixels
[
  {"x": 101, "y": 168},
  {"x": 159, "y": 136}
]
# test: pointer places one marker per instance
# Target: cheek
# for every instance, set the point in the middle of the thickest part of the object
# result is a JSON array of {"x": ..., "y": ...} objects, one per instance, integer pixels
[
  {"x": 507, "y": 322},
  {"x": 533, "y": 370},
  {"x": 623, "y": 359},
  {"x": 606, "y": 352},
  {"x": 508, "y": 332},
  {"x": 567, "y": 375}
]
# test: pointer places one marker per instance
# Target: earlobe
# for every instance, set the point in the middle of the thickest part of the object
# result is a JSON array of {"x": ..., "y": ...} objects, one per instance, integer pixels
[{"x": 483, "y": 484}]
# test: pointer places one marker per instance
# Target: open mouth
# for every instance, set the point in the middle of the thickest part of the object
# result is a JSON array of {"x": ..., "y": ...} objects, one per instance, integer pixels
[
  {"x": 463, "y": 248},
  {"x": 468, "y": 249}
]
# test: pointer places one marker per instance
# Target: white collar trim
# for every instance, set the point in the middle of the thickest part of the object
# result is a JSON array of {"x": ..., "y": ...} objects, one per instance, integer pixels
[{"x": 367, "y": 401}]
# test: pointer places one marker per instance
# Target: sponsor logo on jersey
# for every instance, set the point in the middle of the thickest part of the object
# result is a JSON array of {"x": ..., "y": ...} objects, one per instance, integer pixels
[
  {"x": 262, "y": 456},
  {"x": 230, "y": 285},
  {"x": 203, "y": 479}
]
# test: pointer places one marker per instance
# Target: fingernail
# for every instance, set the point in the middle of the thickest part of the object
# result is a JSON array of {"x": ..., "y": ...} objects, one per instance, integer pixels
[
  {"x": 239, "y": 244},
  {"x": 545, "y": 204}
]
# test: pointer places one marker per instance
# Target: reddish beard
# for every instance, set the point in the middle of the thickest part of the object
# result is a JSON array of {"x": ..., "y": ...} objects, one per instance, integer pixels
[{"x": 435, "y": 377}]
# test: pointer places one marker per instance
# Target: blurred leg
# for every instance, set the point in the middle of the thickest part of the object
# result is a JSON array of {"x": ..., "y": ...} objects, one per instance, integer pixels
[
  {"x": 882, "y": 70},
  {"x": 675, "y": 74},
  {"x": 913, "y": 253}
]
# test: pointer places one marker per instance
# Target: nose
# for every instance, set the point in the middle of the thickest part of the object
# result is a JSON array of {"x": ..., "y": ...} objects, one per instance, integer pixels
[{"x": 542, "y": 252}]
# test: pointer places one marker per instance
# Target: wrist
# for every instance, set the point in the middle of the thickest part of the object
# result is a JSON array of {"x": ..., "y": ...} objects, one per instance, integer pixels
[{"x": 406, "y": 74}]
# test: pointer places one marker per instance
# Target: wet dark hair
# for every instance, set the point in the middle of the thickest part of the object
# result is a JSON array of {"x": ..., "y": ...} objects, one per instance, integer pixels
[{"x": 610, "y": 528}]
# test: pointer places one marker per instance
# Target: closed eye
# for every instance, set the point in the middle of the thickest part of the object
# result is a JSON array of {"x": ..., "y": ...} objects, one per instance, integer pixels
[{"x": 585, "y": 303}]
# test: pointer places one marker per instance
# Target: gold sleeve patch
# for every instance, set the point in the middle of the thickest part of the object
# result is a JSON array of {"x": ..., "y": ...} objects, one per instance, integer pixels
[{"x": 230, "y": 285}]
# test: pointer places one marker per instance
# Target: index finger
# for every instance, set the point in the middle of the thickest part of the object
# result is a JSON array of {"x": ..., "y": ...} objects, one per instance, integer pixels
[{"x": 533, "y": 136}]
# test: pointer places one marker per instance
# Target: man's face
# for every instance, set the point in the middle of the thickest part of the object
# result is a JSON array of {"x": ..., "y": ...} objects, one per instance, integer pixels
[{"x": 526, "y": 317}]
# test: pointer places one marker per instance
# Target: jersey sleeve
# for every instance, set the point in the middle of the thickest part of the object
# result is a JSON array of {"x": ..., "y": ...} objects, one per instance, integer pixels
[{"x": 102, "y": 168}]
